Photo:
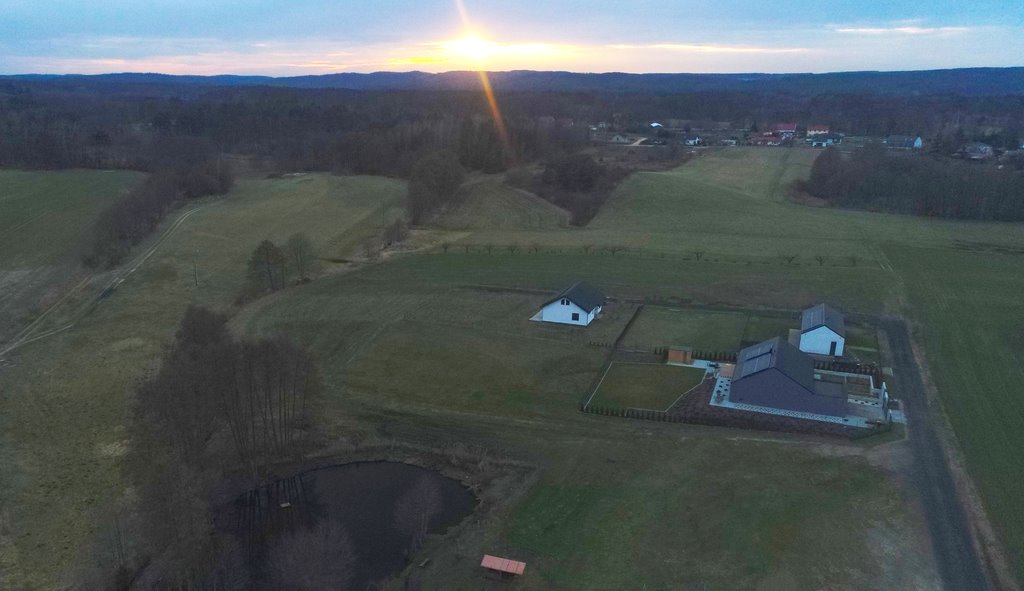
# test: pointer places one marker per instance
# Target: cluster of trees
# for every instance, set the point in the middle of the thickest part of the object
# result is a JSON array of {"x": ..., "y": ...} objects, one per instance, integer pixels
[
  {"x": 928, "y": 186},
  {"x": 133, "y": 217},
  {"x": 577, "y": 183},
  {"x": 215, "y": 406},
  {"x": 433, "y": 184},
  {"x": 271, "y": 266}
]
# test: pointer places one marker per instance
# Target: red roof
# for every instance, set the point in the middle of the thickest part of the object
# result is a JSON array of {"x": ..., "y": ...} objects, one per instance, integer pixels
[
  {"x": 785, "y": 127},
  {"x": 818, "y": 128},
  {"x": 503, "y": 565}
]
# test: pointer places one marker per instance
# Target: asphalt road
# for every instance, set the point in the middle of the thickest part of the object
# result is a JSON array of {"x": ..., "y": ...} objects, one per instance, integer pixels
[{"x": 959, "y": 565}]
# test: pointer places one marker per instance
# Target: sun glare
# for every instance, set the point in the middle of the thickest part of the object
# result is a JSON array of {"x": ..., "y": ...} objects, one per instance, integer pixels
[{"x": 472, "y": 47}]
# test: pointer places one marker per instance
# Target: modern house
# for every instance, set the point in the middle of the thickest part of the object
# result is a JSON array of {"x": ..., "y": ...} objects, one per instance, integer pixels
[
  {"x": 579, "y": 305},
  {"x": 777, "y": 375},
  {"x": 620, "y": 139},
  {"x": 692, "y": 140},
  {"x": 904, "y": 142},
  {"x": 822, "y": 331},
  {"x": 814, "y": 130}
]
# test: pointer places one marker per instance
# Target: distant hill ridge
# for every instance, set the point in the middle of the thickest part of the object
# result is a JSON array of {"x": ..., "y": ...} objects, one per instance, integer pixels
[{"x": 963, "y": 81}]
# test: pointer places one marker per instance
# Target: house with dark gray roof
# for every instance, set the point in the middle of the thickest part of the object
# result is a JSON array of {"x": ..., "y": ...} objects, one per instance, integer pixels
[
  {"x": 579, "y": 304},
  {"x": 777, "y": 375},
  {"x": 822, "y": 331},
  {"x": 904, "y": 142}
]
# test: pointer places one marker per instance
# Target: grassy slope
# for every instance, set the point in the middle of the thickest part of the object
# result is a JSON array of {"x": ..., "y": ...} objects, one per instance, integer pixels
[
  {"x": 75, "y": 384},
  {"x": 491, "y": 204}
]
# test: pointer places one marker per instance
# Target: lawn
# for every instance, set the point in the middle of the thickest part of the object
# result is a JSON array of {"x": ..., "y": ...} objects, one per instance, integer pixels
[
  {"x": 645, "y": 385},
  {"x": 706, "y": 331}
]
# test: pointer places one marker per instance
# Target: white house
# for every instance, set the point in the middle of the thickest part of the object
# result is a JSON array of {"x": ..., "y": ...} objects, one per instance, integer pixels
[
  {"x": 620, "y": 139},
  {"x": 904, "y": 142},
  {"x": 692, "y": 140},
  {"x": 579, "y": 305},
  {"x": 822, "y": 331}
]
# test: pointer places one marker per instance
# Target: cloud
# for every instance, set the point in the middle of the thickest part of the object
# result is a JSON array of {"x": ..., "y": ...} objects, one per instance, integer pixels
[
  {"x": 901, "y": 30},
  {"x": 710, "y": 48}
]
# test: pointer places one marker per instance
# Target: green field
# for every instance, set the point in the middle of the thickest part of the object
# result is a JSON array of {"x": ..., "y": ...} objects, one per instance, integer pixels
[
  {"x": 412, "y": 347},
  {"x": 645, "y": 385}
]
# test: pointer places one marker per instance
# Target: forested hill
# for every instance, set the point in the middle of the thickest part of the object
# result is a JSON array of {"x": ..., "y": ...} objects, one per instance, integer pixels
[{"x": 965, "y": 81}]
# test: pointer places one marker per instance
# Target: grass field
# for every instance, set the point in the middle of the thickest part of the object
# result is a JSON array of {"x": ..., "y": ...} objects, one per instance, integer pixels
[
  {"x": 645, "y": 385},
  {"x": 75, "y": 384},
  {"x": 410, "y": 349},
  {"x": 969, "y": 316},
  {"x": 45, "y": 222}
]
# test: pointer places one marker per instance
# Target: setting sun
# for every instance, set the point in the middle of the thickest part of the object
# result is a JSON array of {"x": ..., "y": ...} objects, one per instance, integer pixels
[{"x": 471, "y": 47}]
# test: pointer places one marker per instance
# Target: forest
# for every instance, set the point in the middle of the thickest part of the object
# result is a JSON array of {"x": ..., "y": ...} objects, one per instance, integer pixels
[{"x": 873, "y": 178}]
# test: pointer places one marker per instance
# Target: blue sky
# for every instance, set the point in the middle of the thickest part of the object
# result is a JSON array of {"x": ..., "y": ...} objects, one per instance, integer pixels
[{"x": 320, "y": 36}]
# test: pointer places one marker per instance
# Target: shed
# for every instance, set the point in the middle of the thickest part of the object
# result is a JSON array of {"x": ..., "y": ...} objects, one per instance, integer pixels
[
  {"x": 503, "y": 565},
  {"x": 777, "y": 375},
  {"x": 579, "y": 304},
  {"x": 822, "y": 331}
]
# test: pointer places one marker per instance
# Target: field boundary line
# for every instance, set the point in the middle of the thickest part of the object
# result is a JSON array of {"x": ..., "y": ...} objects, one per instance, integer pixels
[{"x": 598, "y": 386}]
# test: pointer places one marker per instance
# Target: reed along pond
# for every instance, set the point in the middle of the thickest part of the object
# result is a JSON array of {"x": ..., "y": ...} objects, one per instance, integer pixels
[{"x": 356, "y": 521}]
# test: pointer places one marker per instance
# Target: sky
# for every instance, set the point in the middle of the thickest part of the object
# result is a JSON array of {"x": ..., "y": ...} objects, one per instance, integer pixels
[{"x": 301, "y": 37}]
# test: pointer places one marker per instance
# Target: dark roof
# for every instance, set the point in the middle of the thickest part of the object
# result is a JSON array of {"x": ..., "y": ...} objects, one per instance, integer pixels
[
  {"x": 778, "y": 354},
  {"x": 822, "y": 315},
  {"x": 582, "y": 294}
]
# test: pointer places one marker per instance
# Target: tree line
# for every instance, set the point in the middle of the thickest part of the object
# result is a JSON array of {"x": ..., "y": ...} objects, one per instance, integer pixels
[
  {"x": 191, "y": 169},
  {"x": 873, "y": 178}
]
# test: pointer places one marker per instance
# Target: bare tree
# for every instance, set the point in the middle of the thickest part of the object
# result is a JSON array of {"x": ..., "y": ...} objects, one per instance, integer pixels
[
  {"x": 534, "y": 247},
  {"x": 313, "y": 559},
  {"x": 300, "y": 250},
  {"x": 489, "y": 247},
  {"x": 788, "y": 258},
  {"x": 415, "y": 509},
  {"x": 698, "y": 254},
  {"x": 445, "y": 246},
  {"x": 821, "y": 259},
  {"x": 853, "y": 260},
  {"x": 513, "y": 248},
  {"x": 587, "y": 248},
  {"x": 275, "y": 388}
]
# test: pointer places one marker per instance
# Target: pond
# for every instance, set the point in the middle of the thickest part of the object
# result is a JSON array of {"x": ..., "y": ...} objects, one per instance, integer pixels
[{"x": 354, "y": 522}]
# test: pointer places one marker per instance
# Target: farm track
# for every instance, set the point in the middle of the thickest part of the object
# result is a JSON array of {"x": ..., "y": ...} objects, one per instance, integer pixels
[
  {"x": 956, "y": 557},
  {"x": 27, "y": 335}
]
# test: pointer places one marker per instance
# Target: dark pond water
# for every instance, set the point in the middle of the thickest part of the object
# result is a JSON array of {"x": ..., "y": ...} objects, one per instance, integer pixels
[{"x": 379, "y": 506}]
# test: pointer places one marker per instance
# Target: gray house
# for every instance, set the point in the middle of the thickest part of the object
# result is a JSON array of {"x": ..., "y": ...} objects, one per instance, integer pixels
[
  {"x": 904, "y": 142},
  {"x": 778, "y": 375}
]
